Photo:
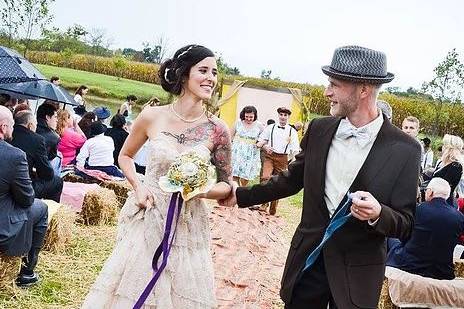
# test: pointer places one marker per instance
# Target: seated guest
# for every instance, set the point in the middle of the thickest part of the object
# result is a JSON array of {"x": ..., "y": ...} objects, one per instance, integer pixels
[
  {"x": 72, "y": 137},
  {"x": 47, "y": 118},
  {"x": 23, "y": 220},
  {"x": 118, "y": 133},
  {"x": 85, "y": 122},
  {"x": 46, "y": 184},
  {"x": 97, "y": 152},
  {"x": 437, "y": 226},
  {"x": 103, "y": 114}
]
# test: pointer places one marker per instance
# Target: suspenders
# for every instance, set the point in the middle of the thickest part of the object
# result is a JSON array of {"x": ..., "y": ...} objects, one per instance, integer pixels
[{"x": 289, "y": 138}]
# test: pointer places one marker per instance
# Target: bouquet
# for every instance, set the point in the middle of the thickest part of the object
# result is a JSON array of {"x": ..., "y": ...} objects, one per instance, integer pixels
[{"x": 190, "y": 175}]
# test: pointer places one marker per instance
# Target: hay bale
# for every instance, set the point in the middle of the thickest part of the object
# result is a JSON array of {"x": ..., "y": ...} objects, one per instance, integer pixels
[
  {"x": 9, "y": 269},
  {"x": 459, "y": 268},
  {"x": 60, "y": 230},
  {"x": 121, "y": 189},
  {"x": 385, "y": 301},
  {"x": 71, "y": 177},
  {"x": 100, "y": 207}
]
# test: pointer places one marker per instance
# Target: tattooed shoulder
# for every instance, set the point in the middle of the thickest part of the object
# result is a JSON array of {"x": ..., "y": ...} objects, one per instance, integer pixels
[{"x": 192, "y": 136}]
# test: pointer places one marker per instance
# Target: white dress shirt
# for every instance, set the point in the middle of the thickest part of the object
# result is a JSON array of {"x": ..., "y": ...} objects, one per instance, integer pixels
[
  {"x": 98, "y": 149},
  {"x": 345, "y": 158},
  {"x": 282, "y": 141}
]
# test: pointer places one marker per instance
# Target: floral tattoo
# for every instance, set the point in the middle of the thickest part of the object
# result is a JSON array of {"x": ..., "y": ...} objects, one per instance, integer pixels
[{"x": 218, "y": 134}]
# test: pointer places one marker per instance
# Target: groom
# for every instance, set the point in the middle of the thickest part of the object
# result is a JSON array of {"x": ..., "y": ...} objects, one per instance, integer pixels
[{"x": 357, "y": 150}]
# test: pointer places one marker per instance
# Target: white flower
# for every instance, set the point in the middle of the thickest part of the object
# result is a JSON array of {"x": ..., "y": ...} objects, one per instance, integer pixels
[{"x": 188, "y": 169}]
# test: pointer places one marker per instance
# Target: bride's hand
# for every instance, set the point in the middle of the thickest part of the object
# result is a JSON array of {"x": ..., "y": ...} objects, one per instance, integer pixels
[
  {"x": 220, "y": 191},
  {"x": 144, "y": 197}
]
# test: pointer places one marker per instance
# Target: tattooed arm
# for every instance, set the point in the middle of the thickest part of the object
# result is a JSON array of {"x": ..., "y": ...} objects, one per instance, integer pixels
[{"x": 221, "y": 158}]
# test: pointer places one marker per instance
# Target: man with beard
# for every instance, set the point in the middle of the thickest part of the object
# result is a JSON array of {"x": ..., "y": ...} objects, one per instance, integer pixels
[
  {"x": 356, "y": 150},
  {"x": 23, "y": 220}
]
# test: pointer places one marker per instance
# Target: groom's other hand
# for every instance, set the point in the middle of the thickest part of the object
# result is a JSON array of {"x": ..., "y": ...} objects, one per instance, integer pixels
[{"x": 231, "y": 200}]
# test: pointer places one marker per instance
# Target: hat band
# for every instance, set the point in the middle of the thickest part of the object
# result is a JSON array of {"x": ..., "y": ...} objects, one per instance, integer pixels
[{"x": 358, "y": 75}]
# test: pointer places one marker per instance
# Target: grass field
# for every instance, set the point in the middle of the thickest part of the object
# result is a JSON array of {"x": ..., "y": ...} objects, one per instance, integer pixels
[{"x": 103, "y": 85}]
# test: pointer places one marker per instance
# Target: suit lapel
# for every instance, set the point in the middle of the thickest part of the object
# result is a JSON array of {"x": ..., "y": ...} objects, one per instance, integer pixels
[{"x": 379, "y": 154}]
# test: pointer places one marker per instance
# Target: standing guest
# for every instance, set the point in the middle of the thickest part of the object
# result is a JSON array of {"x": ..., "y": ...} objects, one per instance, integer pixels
[
  {"x": 46, "y": 127},
  {"x": 246, "y": 161},
  {"x": 278, "y": 142},
  {"x": 451, "y": 160},
  {"x": 46, "y": 184},
  {"x": 118, "y": 134},
  {"x": 79, "y": 112},
  {"x": 437, "y": 226},
  {"x": 270, "y": 121},
  {"x": 97, "y": 152},
  {"x": 185, "y": 125},
  {"x": 358, "y": 151},
  {"x": 126, "y": 107},
  {"x": 72, "y": 137},
  {"x": 21, "y": 107},
  {"x": 427, "y": 160},
  {"x": 23, "y": 222},
  {"x": 85, "y": 123},
  {"x": 80, "y": 93},
  {"x": 411, "y": 127},
  {"x": 55, "y": 80}
]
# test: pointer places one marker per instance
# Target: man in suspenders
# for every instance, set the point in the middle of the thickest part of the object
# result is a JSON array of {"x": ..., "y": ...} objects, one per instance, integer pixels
[{"x": 278, "y": 140}]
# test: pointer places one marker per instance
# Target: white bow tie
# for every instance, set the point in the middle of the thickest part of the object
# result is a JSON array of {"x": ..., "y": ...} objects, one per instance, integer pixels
[{"x": 347, "y": 130}]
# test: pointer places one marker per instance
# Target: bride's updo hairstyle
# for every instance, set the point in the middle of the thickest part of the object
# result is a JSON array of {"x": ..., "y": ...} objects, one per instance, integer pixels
[{"x": 173, "y": 72}]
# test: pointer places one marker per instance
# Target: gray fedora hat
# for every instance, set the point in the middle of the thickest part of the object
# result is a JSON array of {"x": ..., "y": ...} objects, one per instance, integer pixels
[{"x": 359, "y": 64}]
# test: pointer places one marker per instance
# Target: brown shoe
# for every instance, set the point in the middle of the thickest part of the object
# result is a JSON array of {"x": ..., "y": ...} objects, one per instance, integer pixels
[{"x": 273, "y": 209}]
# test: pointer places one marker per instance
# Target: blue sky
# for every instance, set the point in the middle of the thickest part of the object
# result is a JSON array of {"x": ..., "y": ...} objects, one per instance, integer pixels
[{"x": 293, "y": 38}]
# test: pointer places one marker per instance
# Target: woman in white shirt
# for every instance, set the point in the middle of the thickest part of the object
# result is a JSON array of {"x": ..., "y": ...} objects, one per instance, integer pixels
[
  {"x": 97, "y": 152},
  {"x": 80, "y": 93},
  {"x": 126, "y": 107}
]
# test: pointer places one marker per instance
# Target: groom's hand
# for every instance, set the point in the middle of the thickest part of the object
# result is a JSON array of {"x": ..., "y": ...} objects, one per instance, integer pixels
[{"x": 231, "y": 200}]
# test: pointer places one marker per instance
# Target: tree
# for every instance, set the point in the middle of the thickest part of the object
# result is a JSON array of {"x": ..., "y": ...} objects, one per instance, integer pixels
[
  {"x": 224, "y": 68},
  {"x": 156, "y": 52},
  {"x": 10, "y": 20},
  {"x": 447, "y": 84},
  {"x": 266, "y": 74},
  {"x": 99, "y": 42},
  {"x": 33, "y": 14},
  {"x": 119, "y": 63}
]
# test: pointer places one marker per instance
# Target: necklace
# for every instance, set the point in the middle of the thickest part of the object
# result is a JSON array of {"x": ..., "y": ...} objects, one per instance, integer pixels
[{"x": 184, "y": 119}]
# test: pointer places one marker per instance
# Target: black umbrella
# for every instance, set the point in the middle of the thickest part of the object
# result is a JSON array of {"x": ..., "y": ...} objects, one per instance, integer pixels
[
  {"x": 17, "y": 75},
  {"x": 14, "y": 68},
  {"x": 40, "y": 89}
]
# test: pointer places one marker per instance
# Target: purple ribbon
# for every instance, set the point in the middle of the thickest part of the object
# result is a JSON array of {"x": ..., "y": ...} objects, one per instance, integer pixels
[{"x": 163, "y": 248}]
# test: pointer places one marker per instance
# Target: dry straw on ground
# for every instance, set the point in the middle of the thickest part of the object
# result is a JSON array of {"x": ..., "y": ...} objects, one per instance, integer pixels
[
  {"x": 60, "y": 230},
  {"x": 385, "y": 300},
  {"x": 459, "y": 268},
  {"x": 9, "y": 268},
  {"x": 71, "y": 177},
  {"x": 100, "y": 207}
]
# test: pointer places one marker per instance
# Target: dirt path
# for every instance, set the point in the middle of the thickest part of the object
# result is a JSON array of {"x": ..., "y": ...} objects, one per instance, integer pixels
[{"x": 249, "y": 251}]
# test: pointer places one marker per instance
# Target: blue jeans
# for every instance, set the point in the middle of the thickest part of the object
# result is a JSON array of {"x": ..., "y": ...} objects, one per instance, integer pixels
[{"x": 56, "y": 165}]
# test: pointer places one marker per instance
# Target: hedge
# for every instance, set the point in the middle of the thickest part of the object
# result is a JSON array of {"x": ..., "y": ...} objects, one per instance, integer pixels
[{"x": 451, "y": 118}]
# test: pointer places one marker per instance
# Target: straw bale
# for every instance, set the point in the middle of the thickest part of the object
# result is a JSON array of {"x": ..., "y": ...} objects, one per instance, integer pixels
[
  {"x": 60, "y": 230},
  {"x": 385, "y": 301},
  {"x": 100, "y": 207},
  {"x": 121, "y": 189},
  {"x": 71, "y": 177},
  {"x": 9, "y": 269},
  {"x": 459, "y": 268}
]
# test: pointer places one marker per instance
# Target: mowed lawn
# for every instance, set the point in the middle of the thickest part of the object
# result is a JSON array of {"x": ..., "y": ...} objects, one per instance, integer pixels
[{"x": 103, "y": 85}]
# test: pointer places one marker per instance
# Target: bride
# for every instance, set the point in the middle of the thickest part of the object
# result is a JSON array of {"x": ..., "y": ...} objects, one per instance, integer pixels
[{"x": 185, "y": 125}]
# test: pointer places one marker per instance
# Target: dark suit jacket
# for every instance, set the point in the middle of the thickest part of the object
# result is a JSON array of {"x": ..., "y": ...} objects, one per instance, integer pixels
[
  {"x": 51, "y": 138},
  {"x": 429, "y": 251},
  {"x": 355, "y": 255},
  {"x": 16, "y": 196},
  {"x": 34, "y": 146}
]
